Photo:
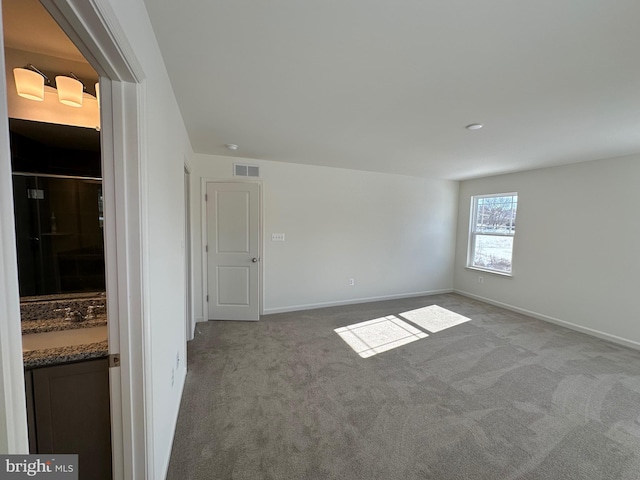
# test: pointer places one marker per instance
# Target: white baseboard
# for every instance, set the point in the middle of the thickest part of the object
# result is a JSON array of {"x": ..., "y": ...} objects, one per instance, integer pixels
[
  {"x": 579, "y": 328},
  {"x": 353, "y": 301},
  {"x": 200, "y": 319}
]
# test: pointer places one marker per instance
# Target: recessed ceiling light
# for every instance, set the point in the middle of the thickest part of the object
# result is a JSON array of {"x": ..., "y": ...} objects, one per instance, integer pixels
[
  {"x": 474, "y": 126},
  {"x": 231, "y": 146}
]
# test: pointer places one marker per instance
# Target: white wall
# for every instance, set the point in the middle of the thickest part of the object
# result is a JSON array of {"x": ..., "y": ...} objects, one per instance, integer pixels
[
  {"x": 393, "y": 234},
  {"x": 575, "y": 255},
  {"x": 165, "y": 147}
]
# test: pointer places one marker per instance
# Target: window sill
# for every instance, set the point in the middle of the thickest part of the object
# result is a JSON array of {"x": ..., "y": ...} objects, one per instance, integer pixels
[{"x": 495, "y": 272}]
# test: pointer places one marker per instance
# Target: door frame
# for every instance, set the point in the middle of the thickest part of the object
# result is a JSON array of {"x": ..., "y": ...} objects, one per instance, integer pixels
[
  {"x": 93, "y": 26},
  {"x": 261, "y": 240},
  {"x": 188, "y": 257},
  {"x": 13, "y": 413}
]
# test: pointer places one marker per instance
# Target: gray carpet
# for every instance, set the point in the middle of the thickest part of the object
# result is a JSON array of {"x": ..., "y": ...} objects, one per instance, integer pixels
[{"x": 502, "y": 396}]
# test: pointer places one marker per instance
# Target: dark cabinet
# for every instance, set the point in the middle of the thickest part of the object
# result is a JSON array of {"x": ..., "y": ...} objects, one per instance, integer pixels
[{"x": 68, "y": 409}]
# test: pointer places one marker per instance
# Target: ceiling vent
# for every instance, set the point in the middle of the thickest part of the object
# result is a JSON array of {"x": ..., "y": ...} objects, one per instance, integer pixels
[{"x": 240, "y": 170}]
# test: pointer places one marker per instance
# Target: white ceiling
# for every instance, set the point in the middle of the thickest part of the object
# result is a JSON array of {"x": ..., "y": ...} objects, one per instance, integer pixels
[{"x": 389, "y": 85}]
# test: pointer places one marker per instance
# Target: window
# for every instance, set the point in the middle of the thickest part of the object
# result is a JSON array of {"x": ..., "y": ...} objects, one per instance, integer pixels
[{"x": 493, "y": 227}]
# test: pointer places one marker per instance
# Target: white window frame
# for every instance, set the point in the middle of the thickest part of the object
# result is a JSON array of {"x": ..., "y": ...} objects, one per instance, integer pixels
[{"x": 471, "y": 252}]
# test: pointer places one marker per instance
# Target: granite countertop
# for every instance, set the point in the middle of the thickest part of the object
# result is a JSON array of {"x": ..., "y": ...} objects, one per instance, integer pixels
[
  {"x": 63, "y": 297},
  {"x": 63, "y": 354},
  {"x": 60, "y": 355},
  {"x": 57, "y": 324}
]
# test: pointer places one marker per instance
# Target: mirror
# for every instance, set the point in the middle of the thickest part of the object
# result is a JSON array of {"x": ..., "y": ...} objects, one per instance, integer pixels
[{"x": 58, "y": 208}]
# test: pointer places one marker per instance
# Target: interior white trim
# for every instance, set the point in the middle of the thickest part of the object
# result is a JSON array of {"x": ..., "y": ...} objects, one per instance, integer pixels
[
  {"x": 95, "y": 30},
  {"x": 493, "y": 272},
  {"x": 93, "y": 27},
  {"x": 142, "y": 337},
  {"x": 203, "y": 248},
  {"x": 188, "y": 250},
  {"x": 13, "y": 412},
  {"x": 109, "y": 197},
  {"x": 353, "y": 301},
  {"x": 579, "y": 328}
]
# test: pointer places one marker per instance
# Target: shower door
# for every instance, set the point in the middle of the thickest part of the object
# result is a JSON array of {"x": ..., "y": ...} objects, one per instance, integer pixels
[{"x": 58, "y": 234}]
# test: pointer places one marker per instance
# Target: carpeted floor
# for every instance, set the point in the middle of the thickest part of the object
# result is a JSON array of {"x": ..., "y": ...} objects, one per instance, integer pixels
[{"x": 502, "y": 396}]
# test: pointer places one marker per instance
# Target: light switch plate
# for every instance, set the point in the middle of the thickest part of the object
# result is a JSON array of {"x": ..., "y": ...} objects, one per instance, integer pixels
[{"x": 277, "y": 237}]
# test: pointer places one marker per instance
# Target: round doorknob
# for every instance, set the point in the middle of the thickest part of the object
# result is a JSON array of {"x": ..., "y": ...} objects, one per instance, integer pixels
[{"x": 254, "y": 259}]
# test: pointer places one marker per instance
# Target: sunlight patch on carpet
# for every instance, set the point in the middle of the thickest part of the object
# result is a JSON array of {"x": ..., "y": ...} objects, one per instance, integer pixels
[
  {"x": 434, "y": 318},
  {"x": 379, "y": 335}
]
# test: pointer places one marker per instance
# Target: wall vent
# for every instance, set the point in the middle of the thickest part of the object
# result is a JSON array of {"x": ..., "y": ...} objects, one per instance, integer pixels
[{"x": 240, "y": 170}]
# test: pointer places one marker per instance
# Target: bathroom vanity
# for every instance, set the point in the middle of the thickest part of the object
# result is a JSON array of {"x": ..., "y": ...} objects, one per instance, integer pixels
[{"x": 65, "y": 352}]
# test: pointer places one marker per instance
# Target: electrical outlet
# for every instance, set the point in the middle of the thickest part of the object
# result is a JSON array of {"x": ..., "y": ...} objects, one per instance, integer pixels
[
  {"x": 480, "y": 279},
  {"x": 352, "y": 282}
]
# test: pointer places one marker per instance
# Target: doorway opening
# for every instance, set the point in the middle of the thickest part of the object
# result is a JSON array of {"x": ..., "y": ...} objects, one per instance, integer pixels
[{"x": 59, "y": 225}]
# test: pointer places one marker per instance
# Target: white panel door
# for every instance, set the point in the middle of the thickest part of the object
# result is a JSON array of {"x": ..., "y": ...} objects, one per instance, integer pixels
[{"x": 233, "y": 248}]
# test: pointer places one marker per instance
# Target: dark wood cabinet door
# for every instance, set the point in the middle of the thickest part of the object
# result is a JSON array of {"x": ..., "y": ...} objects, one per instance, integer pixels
[{"x": 72, "y": 414}]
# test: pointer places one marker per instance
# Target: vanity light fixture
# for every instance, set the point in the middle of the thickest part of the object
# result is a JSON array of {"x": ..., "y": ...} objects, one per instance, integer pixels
[
  {"x": 69, "y": 90},
  {"x": 31, "y": 83}
]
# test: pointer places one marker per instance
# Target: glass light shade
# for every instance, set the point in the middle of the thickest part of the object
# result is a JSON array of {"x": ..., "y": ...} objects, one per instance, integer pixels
[
  {"x": 69, "y": 91},
  {"x": 29, "y": 84}
]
